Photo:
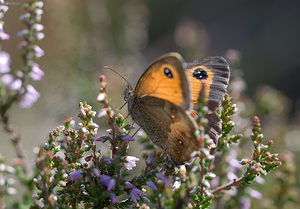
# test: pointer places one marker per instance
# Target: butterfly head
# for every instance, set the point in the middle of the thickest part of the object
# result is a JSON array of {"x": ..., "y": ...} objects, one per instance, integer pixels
[{"x": 128, "y": 92}]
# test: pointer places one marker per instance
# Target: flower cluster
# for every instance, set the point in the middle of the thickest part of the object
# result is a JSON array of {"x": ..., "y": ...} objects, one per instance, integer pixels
[{"x": 17, "y": 87}]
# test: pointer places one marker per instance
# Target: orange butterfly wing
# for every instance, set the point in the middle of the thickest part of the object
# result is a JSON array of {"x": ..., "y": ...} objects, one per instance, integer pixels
[{"x": 165, "y": 79}]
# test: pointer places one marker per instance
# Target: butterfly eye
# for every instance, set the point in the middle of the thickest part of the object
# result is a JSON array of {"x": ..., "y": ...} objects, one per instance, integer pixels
[
  {"x": 199, "y": 73},
  {"x": 168, "y": 72}
]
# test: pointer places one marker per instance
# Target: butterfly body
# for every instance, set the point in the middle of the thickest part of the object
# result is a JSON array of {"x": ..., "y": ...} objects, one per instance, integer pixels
[{"x": 162, "y": 102}]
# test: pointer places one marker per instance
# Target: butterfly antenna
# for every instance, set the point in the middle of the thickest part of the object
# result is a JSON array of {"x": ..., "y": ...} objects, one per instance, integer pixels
[
  {"x": 116, "y": 72},
  {"x": 136, "y": 132},
  {"x": 120, "y": 108}
]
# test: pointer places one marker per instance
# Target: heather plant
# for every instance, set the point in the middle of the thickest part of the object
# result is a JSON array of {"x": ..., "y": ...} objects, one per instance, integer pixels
[
  {"x": 72, "y": 172},
  {"x": 82, "y": 166}
]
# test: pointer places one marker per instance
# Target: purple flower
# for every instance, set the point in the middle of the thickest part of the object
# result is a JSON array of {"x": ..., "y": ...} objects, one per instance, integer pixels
[
  {"x": 104, "y": 179},
  {"x": 96, "y": 172},
  {"x": 24, "y": 16},
  {"x": 7, "y": 79},
  {"x": 75, "y": 175},
  {"x": 102, "y": 138},
  {"x": 127, "y": 138},
  {"x": 107, "y": 160},
  {"x": 149, "y": 159},
  {"x": 111, "y": 184},
  {"x": 231, "y": 176},
  {"x": 233, "y": 191},
  {"x": 131, "y": 162},
  {"x": 129, "y": 185},
  {"x": 135, "y": 194},
  {"x": 160, "y": 176},
  {"x": 30, "y": 97},
  {"x": 255, "y": 194},
  {"x": 36, "y": 73},
  {"x": 260, "y": 180},
  {"x": 112, "y": 197},
  {"x": 23, "y": 33},
  {"x": 4, "y": 62},
  {"x": 245, "y": 203},
  {"x": 167, "y": 181},
  {"x": 151, "y": 185}
]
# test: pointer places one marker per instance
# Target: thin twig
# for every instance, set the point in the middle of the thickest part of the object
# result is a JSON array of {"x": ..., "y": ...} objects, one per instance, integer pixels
[{"x": 227, "y": 186}]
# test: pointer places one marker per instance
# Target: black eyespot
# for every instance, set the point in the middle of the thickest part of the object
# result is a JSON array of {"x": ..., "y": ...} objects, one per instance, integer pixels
[
  {"x": 200, "y": 74},
  {"x": 168, "y": 72}
]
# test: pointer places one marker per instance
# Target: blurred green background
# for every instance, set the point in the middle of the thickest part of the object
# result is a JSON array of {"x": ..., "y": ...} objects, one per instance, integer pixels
[{"x": 83, "y": 36}]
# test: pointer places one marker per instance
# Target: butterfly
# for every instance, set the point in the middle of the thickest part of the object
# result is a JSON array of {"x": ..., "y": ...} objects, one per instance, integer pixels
[{"x": 164, "y": 97}]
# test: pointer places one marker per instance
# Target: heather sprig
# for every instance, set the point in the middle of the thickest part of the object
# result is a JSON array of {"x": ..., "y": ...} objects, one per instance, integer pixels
[
  {"x": 263, "y": 161},
  {"x": 17, "y": 87},
  {"x": 228, "y": 109}
]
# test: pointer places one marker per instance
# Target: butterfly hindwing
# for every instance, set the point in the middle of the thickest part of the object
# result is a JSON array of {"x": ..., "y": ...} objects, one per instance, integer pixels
[
  {"x": 213, "y": 73},
  {"x": 168, "y": 126}
]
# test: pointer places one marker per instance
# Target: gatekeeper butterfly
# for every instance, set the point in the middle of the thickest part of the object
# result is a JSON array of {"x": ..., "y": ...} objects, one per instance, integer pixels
[{"x": 163, "y": 100}]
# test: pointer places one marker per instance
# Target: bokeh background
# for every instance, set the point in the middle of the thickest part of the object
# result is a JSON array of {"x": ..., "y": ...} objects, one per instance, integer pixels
[{"x": 83, "y": 36}]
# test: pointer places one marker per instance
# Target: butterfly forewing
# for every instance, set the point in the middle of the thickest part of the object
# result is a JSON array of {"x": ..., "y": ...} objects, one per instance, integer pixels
[{"x": 165, "y": 78}]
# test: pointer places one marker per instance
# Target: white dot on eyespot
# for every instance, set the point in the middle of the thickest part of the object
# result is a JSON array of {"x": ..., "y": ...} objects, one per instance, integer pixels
[
  {"x": 173, "y": 116},
  {"x": 180, "y": 142}
]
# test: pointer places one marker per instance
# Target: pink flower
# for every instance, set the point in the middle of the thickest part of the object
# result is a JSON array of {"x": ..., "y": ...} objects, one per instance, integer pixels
[
  {"x": 36, "y": 73},
  {"x": 131, "y": 162},
  {"x": 102, "y": 113},
  {"x": 7, "y": 79},
  {"x": 30, "y": 97},
  {"x": 4, "y": 36},
  {"x": 255, "y": 194},
  {"x": 176, "y": 185},
  {"x": 16, "y": 85},
  {"x": 4, "y": 62},
  {"x": 38, "y": 51}
]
